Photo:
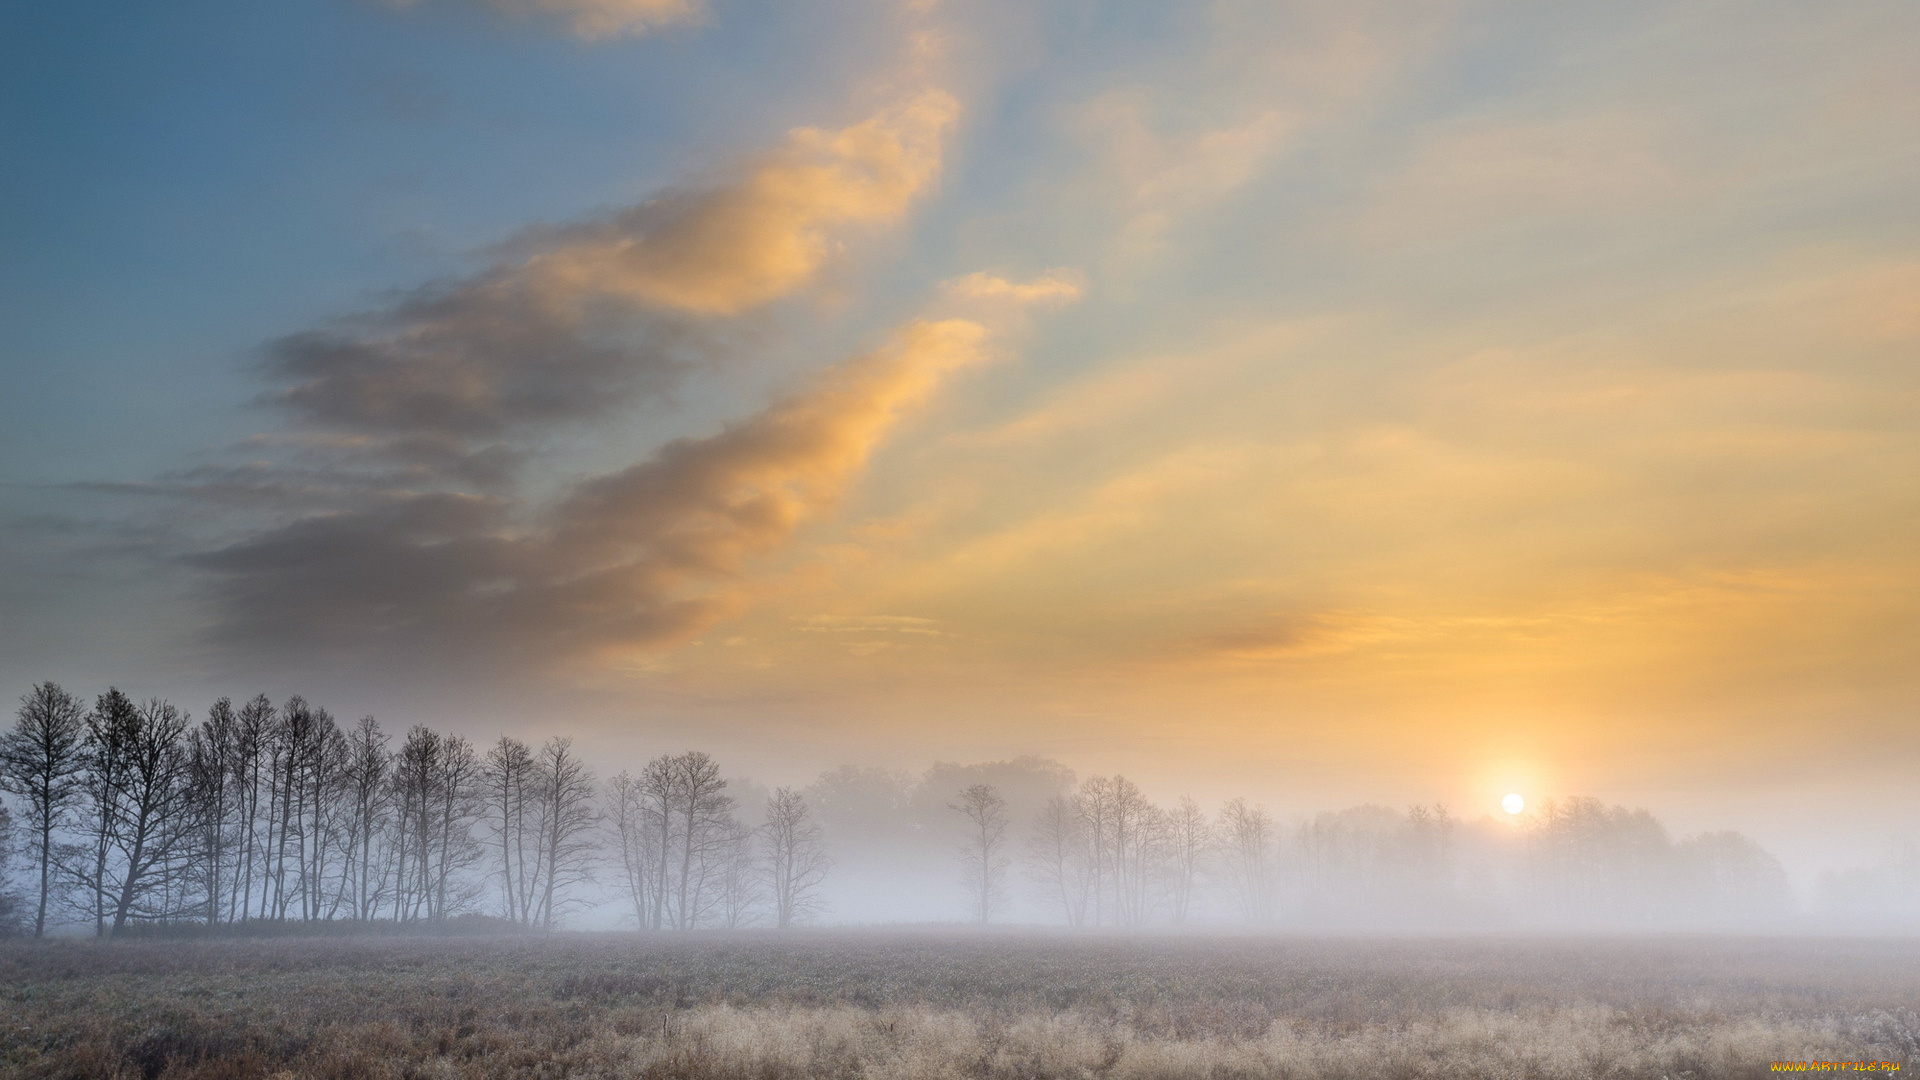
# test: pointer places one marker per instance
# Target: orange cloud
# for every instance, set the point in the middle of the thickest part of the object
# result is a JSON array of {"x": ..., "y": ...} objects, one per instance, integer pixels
[
  {"x": 598, "y": 309},
  {"x": 722, "y": 250},
  {"x": 1054, "y": 287}
]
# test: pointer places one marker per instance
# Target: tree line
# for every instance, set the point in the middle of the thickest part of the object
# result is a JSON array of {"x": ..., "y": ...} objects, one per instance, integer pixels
[{"x": 129, "y": 813}]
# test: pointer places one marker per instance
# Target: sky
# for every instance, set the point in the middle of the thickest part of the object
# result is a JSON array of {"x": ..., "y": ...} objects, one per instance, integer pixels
[{"x": 1392, "y": 402}]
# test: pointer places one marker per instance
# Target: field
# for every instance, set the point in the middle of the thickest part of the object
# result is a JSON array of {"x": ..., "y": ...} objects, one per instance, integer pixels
[{"x": 926, "y": 1005}]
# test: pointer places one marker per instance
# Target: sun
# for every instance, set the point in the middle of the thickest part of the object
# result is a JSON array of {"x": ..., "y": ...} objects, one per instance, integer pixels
[{"x": 1513, "y": 803}]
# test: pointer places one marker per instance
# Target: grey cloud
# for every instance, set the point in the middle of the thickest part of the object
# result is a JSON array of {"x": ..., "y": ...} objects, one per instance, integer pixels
[
  {"x": 410, "y": 568},
  {"x": 481, "y": 358},
  {"x": 592, "y": 19},
  {"x": 653, "y": 553}
]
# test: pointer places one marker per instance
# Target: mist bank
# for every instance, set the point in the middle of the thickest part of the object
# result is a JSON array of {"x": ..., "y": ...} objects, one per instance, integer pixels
[{"x": 124, "y": 815}]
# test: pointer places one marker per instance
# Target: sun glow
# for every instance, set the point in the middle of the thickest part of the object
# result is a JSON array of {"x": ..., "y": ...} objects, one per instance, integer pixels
[{"x": 1513, "y": 803}]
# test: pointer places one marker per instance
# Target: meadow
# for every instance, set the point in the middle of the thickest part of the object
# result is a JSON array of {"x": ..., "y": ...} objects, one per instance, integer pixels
[{"x": 928, "y": 1005}]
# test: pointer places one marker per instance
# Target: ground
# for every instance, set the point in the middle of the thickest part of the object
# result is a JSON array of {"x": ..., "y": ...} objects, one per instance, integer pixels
[{"x": 1011, "y": 1005}]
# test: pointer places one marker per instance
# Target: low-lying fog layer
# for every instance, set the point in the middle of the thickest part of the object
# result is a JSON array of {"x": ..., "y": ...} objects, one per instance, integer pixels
[{"x": 133, "y": 816}]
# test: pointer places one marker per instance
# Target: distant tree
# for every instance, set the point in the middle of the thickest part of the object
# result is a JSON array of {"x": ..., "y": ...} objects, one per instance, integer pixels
[
  {"x": 1059, "y": 858},
  {"x": 1188, "y": 842},
  {"x": 796, "y": 860},
  {"x": 635, "y": 836},
  {"x": 41, "y": 759},
  {"x": 739, "y": 883},
  {"x": 1125, "y": 839},
  {"x": 1426, "y": 849},
  {"x": 1135, "y": 831},
  {"x": 983, "y": 858},
  {"x": 1247, "y": 841},
  {"x": 1592, "y": 863},
  {"x": 1728, "y": 876}
]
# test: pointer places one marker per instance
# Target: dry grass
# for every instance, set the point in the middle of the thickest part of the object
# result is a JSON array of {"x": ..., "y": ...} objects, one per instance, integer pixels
[{"x": 926, "y": 1006}]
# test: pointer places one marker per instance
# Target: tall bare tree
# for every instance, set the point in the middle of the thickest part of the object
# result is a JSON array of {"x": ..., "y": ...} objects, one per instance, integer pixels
[
  {"x": 105, "y": 754},
  {"x": 1094, "y": 802},
  {"x": 506, "y": 776},
  {"x": 140, "y": 820},
  {"x": 369, "y": 797},
  {"x": 796, "y": 858},
  {"x": 209, "y": 748},
  {"x": 983, "y": 858},
  {"x": 565, "y": 847},
  {"x": 41, "y": 759},
  {"x": 1134, "y": 832},
  {"x": 701, "y": 815},
  {"x": 457, "y": 793},
  {"x": 415, "y": 768},
  {"x": 253, "y": 734}
]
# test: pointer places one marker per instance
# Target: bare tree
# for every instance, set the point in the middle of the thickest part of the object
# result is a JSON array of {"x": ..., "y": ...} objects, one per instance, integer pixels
[
  {"x": 455, "y": 794},
  {"x": 738, "y": 880},
  {"x": 983, "y": 858},
  {"x": 9, "y": 900},
  {"x": 659, "y": 789},
  {"x": 208, "y": 750},
  {"x": 1060, "y": 858},
  {"x": 105, "y": 753},
  {"x": 564, "y": 847},
  {"x": 140, "y": 821},
  {"x": 506, "y": 774},
  {"x": 636, "y": 840},
  {"x": 369, "y": 798},
  {"x": 415, "y": 768},
  {"x": 1133, "y": 825},
  {"x": 796, "y": 858},
  {"x": 1246, "y": 833},
  {"x": 1094, "y": 800},
  {"x": 40, "y": 761},
  {"x": 324, "y": 783},
  {"x": 1124, "y": 835},
  {"x": 252, "y": 735},
  {"x": 1189, "y": 839},
  {"x": 700, "y": 817}
]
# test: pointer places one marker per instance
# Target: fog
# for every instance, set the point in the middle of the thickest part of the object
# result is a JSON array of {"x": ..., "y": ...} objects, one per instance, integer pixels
[{"x": 126, "y": 814}]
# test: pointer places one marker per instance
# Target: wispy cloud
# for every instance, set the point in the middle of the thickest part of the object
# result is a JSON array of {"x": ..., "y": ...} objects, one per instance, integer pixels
[
  {"x": 587, "y": 315},
  {"x": 1053, "y": 287}
]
